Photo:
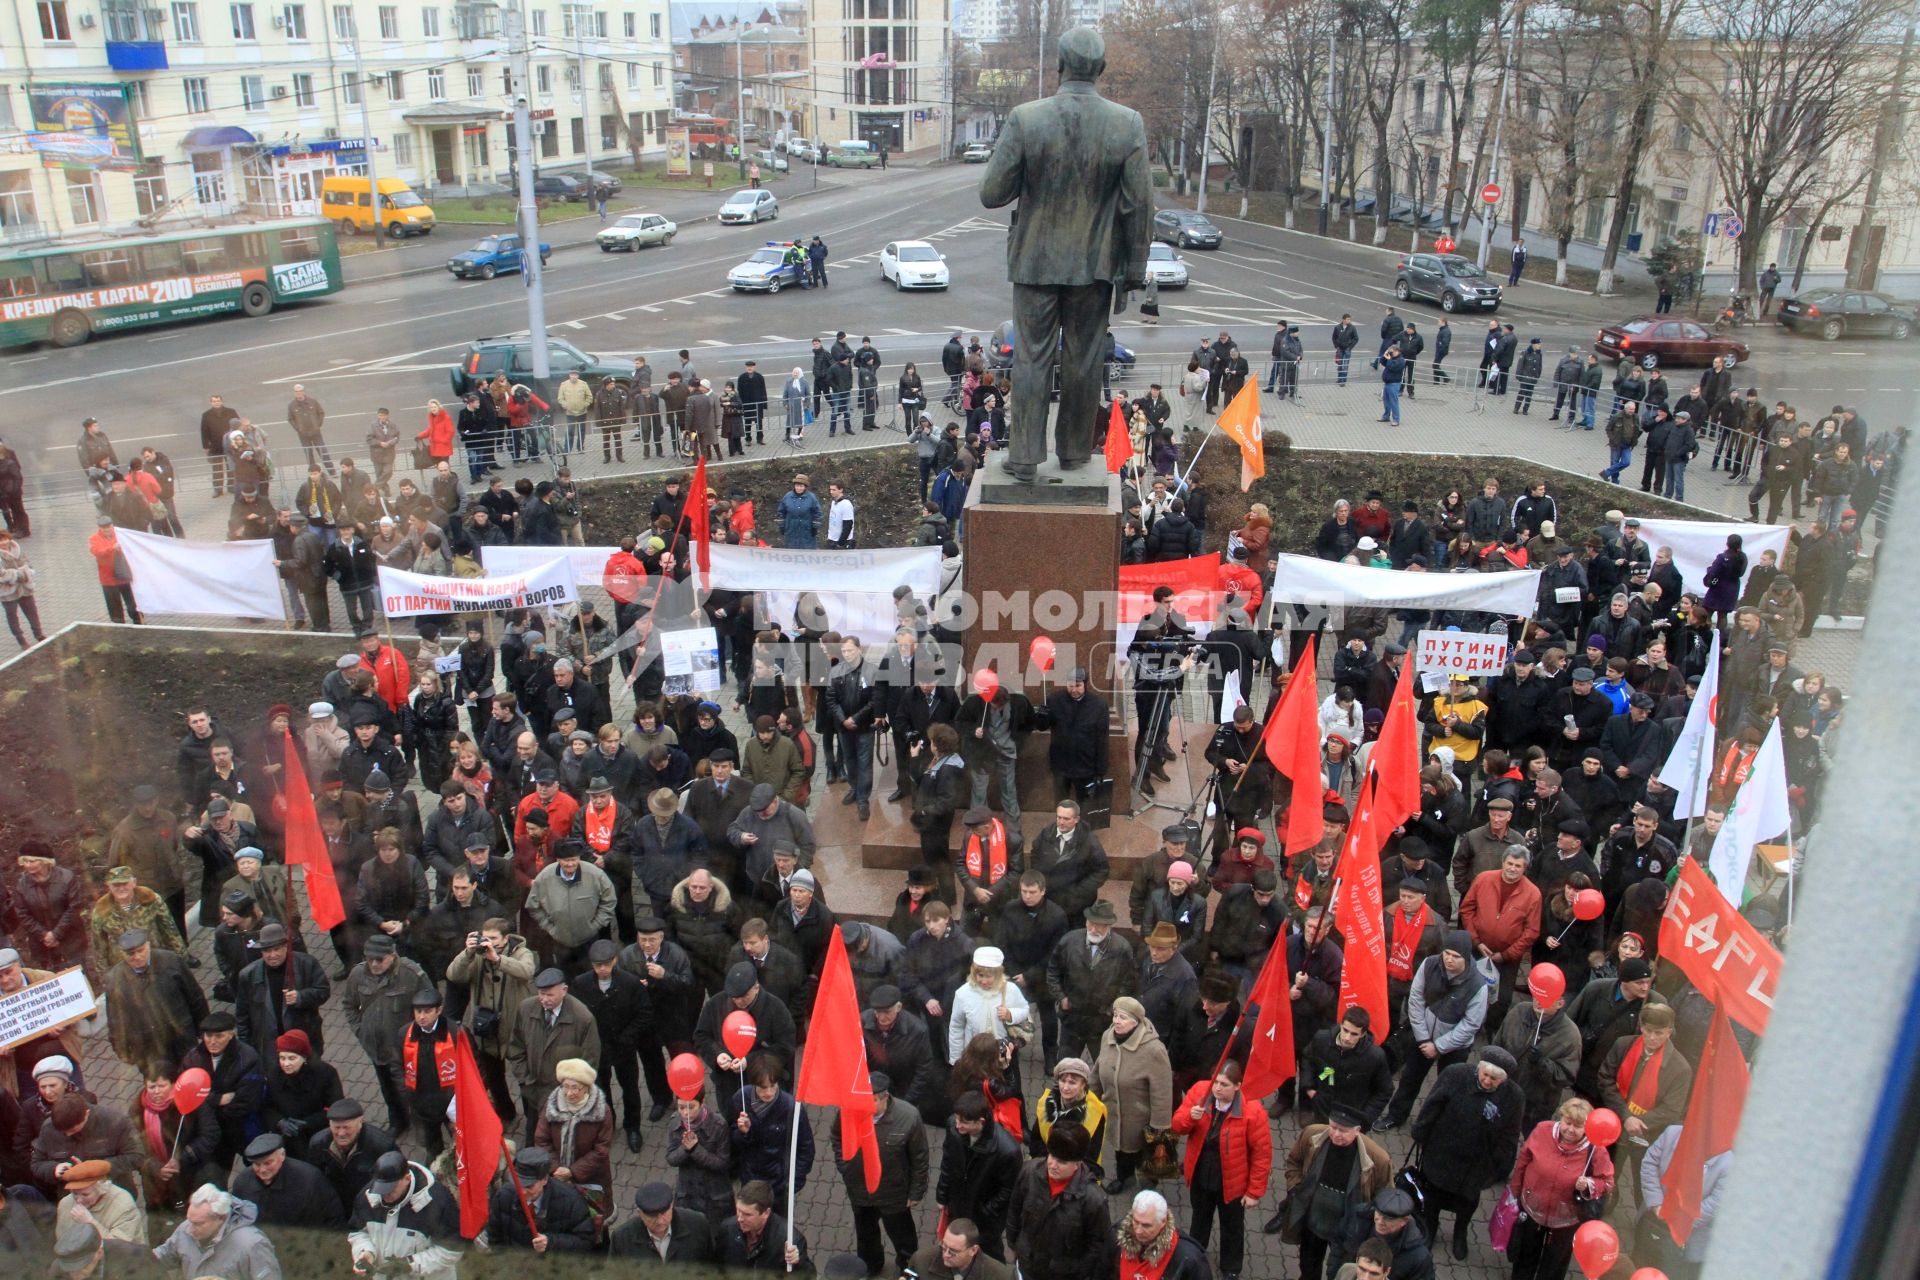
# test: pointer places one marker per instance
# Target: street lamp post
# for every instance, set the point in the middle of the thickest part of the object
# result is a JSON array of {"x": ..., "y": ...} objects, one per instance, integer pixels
[
  {"x": 1499, "y": 120},
  {"x": 366, "y": 128},
  {"x": 1326, "y": 140},
  {"x": 740, "y": 99}
]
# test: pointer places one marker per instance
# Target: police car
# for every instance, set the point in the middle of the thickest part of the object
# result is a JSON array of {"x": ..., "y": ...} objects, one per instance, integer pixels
[{"x": 768, "y": 270}]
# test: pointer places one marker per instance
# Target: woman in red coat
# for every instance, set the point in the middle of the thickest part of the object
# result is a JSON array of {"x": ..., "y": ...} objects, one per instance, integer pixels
[
  {"x": 439, "y": 433},
  {"x": 1558, "y": 1167},
  {"x": 1229, "y": 1158}
]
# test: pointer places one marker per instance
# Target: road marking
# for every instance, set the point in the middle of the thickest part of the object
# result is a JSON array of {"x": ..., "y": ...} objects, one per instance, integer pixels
[
  {"x": 904, "y": 333},
  {"x": 685, "y": 302},
  {"x": 166, "y": 337},
  {"x": 713, "y": 342},
  {"x": 575, "y": 325},
  {"x": 651, "y": 310},
  {"x": 774, "y": 337},
  {"x": 614, "y": 315},
  {"x": 27, "y": 360}
]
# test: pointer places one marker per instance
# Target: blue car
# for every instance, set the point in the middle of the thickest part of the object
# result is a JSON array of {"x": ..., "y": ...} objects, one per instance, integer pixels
[{"x": 491, "y": 255}]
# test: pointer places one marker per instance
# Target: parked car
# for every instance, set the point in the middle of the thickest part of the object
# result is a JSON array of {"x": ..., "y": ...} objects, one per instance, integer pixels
[
  {"x": 485, "y": 357},
  {"x": 1454, "y": 282},
  {"x": 801, "y": 149},
  {"x": 767, "y": 270},
  {"x": 977, "y": 152},
  {"x": 1665, "y": 340},
  {"x": 770, "y": 159},
  {"x": 597, "y": 176},
  {"x": 851, "y": 158},
  {"x": 1166, "y": 266},
  {"x": 913, "y": 264},
  {"x": 1847, "y": 313},
  {"x": 750, "y": 206},
  {"x": 491, "y": 255},
  {"x": 1187, "y": 229},
  {"x": 560, "y": 186},
  {"x": 636, "y": 230}
]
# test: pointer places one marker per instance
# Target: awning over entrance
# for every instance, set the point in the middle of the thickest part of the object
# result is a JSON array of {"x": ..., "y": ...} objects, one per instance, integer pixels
[
  {"x": 453, "y": 113},
  {"x": 217, "y": 135}
]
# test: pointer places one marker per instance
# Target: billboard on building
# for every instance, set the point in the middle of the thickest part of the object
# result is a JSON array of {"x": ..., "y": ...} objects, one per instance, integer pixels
[
  {"x": 679, "y": 151},
  {"x": 83, "y": 124}
]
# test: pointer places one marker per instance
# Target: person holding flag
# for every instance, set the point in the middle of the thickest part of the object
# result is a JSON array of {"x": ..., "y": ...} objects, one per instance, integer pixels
[
  {"x": 1446, "y": 1007},
  {"x": 404, "y": 1222},
  {"x": 534, "y": 1210}
]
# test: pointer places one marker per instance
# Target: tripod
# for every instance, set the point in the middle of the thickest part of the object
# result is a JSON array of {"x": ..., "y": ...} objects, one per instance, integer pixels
[{"x": 1166, "y": 716}]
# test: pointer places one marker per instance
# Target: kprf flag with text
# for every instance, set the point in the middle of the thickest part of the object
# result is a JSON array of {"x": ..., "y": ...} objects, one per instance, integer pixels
[
  {"x": 1270, "y": 1061},
  {"x": 477, "y": 1137},
  {"x": 1292, "y": 744},
  {"x": 1760, "y": 811},
  {"x": 1718, "y": 949},
  {"x": 1358, "y": 916},
  {"x": 1119, "y": 445},
  {"x": 1713, "y": 1118},
  {"x": 1196, "y": 594},
  {"x": 1240, "y": 423},
  {"x": 307, "y": 845},
  {"x": 1690, "y": 763},
  {"x": 833, "y": 1072}
]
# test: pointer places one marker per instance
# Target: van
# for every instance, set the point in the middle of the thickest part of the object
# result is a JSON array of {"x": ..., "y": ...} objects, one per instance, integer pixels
[{"x": 347, "y": 202}]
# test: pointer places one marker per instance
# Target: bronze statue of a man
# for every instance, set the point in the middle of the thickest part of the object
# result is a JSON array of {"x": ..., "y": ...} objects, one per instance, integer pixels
[{"x": 1077, "y": 165}]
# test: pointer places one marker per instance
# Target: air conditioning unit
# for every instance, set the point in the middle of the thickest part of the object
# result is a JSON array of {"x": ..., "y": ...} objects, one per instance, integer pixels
[
  {"x": 86, "y": 22},
  {"x": 331, "y": 135},
  {"x": 279, "y": 91},
  {"x": 279, "y": 22}
]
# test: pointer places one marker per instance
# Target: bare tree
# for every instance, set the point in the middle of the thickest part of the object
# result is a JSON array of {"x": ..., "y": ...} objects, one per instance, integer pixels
[
  {"x": 1281, "y": 52},
  {"x": 1461, "y": 38},
  {"x": 1784, "y": 93},
  {"x": 1641, "y": 31},
  {"x": 1382, "y": 54},
  {"x": 1561, "y": 141}
]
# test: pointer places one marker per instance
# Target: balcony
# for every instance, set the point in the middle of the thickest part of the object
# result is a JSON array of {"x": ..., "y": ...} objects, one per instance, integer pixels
[{"x": 136, "y": 36}]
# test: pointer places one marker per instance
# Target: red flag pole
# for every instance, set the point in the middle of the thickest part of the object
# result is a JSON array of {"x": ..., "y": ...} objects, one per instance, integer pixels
[{"x": 533, "y": 1228}]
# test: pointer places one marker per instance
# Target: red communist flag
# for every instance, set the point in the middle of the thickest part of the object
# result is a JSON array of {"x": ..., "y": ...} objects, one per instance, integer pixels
[
  {"x": 1357, "y": 914},
  {"x": 1395, "y": 763},
  {"x": 1292, "y": 744},
  {"x": 307, "y": 847},
  {"x": 1713, "y": 1117},
  {"x": 1270, "y": 1055},
  {"x": 699, "y": 529},
  {"x": 1119, "y": 446},
  {"x": 477, "y": 1138},
  {"x": 834, "y": 1071}
]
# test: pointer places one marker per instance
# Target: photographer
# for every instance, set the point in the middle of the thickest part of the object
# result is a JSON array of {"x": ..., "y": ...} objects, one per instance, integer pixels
[
  {"x": 1243, "y": 775},
  {"x": 1162, "y": 654},
  {"x": 497, "y": 966}
]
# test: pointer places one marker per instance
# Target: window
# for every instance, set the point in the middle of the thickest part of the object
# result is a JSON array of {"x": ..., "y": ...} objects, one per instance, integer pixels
[
  {"x": 630, "y": 25},
  {"x": 1596, "y": 228},
  {"x": 506, "y": 81},
  {"x": 253, "y": 93},
  {"x": 573, "y": 77},
  {"x": 6, "y": 103},
  {"x": 403, "y": 149},
  {"x": 476, "y": 81},
  {"x": 609, "y": 132},
  {"x": 436, "y": 83},
  {"x": 389, "y": 22},
  {"x": 633, "y": 75},
  {"x": 430, "y": 23},
  {"x": 343, "y": 25},
  {"x": 1682, "y": 136},
  {"x": 539, "y": 22},
  {"x": 397, "y": 86},
  {"x": 543, "y": 79},
  {"x": 578, "y": 128},
  {"x": 136, "y": 98},
  {"x": 549, "y": 140},
  {"x": 209, "y": 178},
  {"x": 299, "y": 244},
  {"x": 17, "y": 207},
  {"x": 293, "y": 18},
  {"x": 653, "y": 25},
  {"x": 150, "y": 188},
  {"x": 303, "y": 89},
  {"x": 349, "y": 89},
  {"x": 83, "y": 197},
  {"x": 567, "y": 27},
  {"x": 53, "y": 20},
  {"x": 206, "y": 256},
  {"x": 241, "y": 16},
  {"x": 600, "y": 26},
  {"x": 659, "y": 75},
  {"x": 186, "y": 22},
  {"x": 194, "y": 89}
]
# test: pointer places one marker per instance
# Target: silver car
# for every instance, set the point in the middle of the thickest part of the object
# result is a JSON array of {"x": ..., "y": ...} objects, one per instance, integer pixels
[
  {"x": 1166, "y": 266},
  {"x": 635, "y": 231},
  {"x": 750, "y": 205}
]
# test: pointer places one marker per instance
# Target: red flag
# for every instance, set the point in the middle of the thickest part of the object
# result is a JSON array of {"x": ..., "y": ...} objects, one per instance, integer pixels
[
  {"x": 1119, "y": 447},
  {"x": 1357, "y": 914},
  {"x": 1718, "y": 949},
  {"x": 307, "y": 847},
  {"x": 698, "y": 528},
  {"x": 834, "y": 1071},
  {"x": 1713, "y": 1117},
  {"x": 1292, "y": 744},
  {"x": 477, "y": 1140},
  {"x": 1270, "y": 1057},
  {"x": 1395, "y": 762}
]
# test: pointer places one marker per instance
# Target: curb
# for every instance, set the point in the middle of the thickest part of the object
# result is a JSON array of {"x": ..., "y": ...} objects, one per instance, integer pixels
[{"x": 438, "y": 267}]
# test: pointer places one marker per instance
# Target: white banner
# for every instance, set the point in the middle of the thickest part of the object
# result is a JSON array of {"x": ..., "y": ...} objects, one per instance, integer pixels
[
  {"x": 871, "y": 615},
  {"x": 404, "y": 595},
  {"x": 589, "y": 563},
  {"x": 231, "y": 579},
  {"x": 1690, "y": 763},
  {"x": 45, "y": 1006},
  {"x": 1310, "y": 580},
  {"x": 1760, "y": 812},
  {"x": 874, "y": 571},
  {"x": 1471, "y": 653},
  {"x": 1696, "y": 542}
]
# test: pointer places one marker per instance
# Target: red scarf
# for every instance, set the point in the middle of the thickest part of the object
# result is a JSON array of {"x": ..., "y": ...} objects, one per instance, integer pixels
[
  {"x": 1640, "y": 1094},
  {"x": 152, "y": 1118},
  {"x": 1406, "y": 941},
  {"x": 988, "y": 865},
  {"x": 1141, "y": 1269},
  {"x": 1734, "y": 766},
  {"x": 597, "y": 826}
]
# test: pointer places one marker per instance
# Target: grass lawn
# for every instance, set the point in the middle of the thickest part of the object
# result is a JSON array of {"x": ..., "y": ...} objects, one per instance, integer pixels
[{"x": 494, "y": 211}]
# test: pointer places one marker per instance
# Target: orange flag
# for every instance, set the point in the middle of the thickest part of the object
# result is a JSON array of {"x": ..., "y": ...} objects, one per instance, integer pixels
[
  {"x": 307, "y": 847},
  {"x": 477, "y": 1138},
  {"x": 833, "y": 1073},
  {"x": 1292, "y": 744},
  {"x": 1395, "y": 762},
  {"x": 1270, "y": 1062},
  {"x": 1119, "y": 445},
  {"x": 1713, "y": 1117},
  {"x": 1240, "y": 423},
  {"x": 1358, "y": 916}
]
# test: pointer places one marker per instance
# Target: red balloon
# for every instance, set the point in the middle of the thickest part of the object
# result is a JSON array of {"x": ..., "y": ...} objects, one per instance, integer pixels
[
  {"x": 1596, "y": 1247},
  {"x": 687, "y": 1076},
  {"x": 1546, "y": 983},
  {"x": 1603, "y": 1127},
  {"x": 1589, "y": 904},
  {"x": 190, "y": 1089},
  {"x": 1649, "y": 1273},
  {"x": 986, "y": 683},
  {"x": 1041, "y": 651},
  {"x": 739, "y": 1032}
]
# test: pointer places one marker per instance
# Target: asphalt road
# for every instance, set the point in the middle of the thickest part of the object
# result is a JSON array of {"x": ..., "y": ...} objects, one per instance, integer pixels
[{"x": 390, "y": 342}]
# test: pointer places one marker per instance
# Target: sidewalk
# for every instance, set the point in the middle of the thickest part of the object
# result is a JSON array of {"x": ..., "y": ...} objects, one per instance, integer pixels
[{"x": 421, "y": 255}]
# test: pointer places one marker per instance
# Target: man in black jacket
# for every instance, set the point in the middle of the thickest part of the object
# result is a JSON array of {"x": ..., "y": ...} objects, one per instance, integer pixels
[
  {"x": 752, "y": 388},
  {"x": 852, "y": 707},
  {"x": 660, "y": 1235},
  {"x": 287, "y": 1192},
  {"x": 1411, "y": 345},
  {"x": 283, "y": 990},
  {"x": 953, "y": 363},
  {"x": 755, "y": 1237},
  {"x": 1345, "y": 339},
  {"x": 1573, "y": 719},
  {"x": 239, "y": 1085},
  {"x": 348, "y": 1150},
  {"x": 1504, "y": 350},
  {"x": 623, "y": 1013},
  {"x": 1531, "y": 361},
  {"x": 1344, "y": 1067},
  {"x": 1064, "y": 1236},
  {"x": 350, "y": 562},
  {"x": 979, "y": 1167},
  {"x": 1078, "y": 742},
  {"x": 540, "y": 1203}
]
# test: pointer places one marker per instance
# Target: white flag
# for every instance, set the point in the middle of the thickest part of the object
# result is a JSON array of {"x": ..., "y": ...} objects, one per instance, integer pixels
[
  {"x": 1690, "y": 763},
  {"x": 1760, "y": 812},
  {"x": 1230, "y": 697}
]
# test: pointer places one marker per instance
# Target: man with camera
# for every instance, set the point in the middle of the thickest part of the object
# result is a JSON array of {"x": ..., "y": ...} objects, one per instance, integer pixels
[
  {"x": 1162, "y": 652},
  {"x": 497, "y": 967}
]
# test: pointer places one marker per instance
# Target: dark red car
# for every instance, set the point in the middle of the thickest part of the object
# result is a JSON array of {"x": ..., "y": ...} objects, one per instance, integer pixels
[{"x": 1668, "y": 340}]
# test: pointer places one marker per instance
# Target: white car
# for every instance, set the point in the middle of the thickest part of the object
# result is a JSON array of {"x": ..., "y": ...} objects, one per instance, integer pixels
[
  {"x": 767, "y": 271},
  {"x": 1166, "y": 266},
  {"x": 977, "y": 152},
  {"x": 636, "y": 230},
  {"x": 749, "y": 206},
  {"x": 913, "y": 264},
  {"x": 802, "y": 149}
]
